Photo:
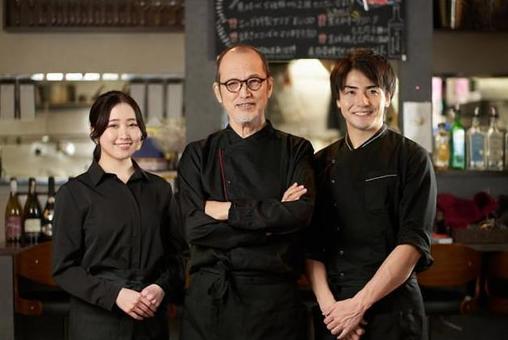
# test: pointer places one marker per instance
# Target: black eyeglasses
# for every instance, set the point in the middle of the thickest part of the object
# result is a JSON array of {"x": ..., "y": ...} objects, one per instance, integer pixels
[{"x": 235, "y": 85}]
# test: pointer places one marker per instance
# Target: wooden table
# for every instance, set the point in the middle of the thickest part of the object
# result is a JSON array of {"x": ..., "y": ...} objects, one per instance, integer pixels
[{"x": 488, "y": 247}]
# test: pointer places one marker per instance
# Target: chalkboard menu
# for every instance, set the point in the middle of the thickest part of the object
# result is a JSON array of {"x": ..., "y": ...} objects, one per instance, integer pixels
[{"x": 289, "y": 29}]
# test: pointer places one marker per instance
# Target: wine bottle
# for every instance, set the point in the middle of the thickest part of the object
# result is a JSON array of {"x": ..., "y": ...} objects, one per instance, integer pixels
[
  {"x": 31, "y": 215},
  {"x": 48, "y": 212},
  {"x": 13, "y": 218}
]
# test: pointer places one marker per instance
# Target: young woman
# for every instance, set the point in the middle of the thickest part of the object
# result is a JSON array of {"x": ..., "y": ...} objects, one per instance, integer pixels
[{"x": 116, "y": 241}]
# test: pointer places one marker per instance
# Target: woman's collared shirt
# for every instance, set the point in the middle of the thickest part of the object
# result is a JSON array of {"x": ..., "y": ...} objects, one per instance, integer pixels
[{"x": 110, "y": 235}]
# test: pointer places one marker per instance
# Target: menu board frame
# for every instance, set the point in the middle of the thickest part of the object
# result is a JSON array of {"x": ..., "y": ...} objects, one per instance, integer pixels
[{"x": 324, "y": 29}]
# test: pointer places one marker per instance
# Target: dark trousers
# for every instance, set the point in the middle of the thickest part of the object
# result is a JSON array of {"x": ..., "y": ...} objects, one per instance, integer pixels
[
  {"x": 399, "y": 316},
  {"x": 89, "y": 322},
  {"x": 220, "y": 306}
]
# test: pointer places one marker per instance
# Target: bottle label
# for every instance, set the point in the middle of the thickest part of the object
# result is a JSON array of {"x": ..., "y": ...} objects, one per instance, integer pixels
[
  {"x": 477, "y": 148},
  {"x": 47, "y": 229},
  {"x": 496, "y": 146},
  {"x": 13, "y": 227},
  {"x": 495, "y": 152},
  {"x": 32, "y": 225},
  {"x": 458, "y": 159}
]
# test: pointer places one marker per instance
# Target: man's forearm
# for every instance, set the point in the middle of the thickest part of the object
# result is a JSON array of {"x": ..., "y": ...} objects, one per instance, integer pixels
[
  {"x": 316, "y": 273},
  {"x": 394, "y": 271},
  {"x": 217, "y": 210}
]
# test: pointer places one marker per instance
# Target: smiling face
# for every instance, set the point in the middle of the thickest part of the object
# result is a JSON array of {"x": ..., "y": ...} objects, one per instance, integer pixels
[
  {"x": 245, "y": 106},
  {"x": 122, "y": 136},
  {"x": 362, "y": 104}
]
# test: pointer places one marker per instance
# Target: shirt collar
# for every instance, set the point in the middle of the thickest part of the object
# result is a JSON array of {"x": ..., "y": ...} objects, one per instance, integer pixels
[
  {"x": 96, "y": 173},
  {"x": 374, "y": 137},
  {"x": 234, "y": 137}
]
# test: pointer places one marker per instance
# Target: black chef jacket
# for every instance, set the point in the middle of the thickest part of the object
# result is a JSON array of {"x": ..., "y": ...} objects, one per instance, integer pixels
[
  {"x": 369, "y": 200},
  {"x": 262, "y": 234},
  {"x": 111, "y": 235},
  {"x": 243, "y": 282}
]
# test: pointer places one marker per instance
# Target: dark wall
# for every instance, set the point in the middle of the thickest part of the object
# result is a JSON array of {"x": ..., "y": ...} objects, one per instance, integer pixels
[{"x": 203, "y": 113}]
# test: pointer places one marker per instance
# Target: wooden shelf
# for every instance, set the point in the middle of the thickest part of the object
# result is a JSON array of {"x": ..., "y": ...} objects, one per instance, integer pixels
[
  {"x": 64, "y": 106},
  {"x": 471, "y": 173},
  {"x": 94, "y": 16}
]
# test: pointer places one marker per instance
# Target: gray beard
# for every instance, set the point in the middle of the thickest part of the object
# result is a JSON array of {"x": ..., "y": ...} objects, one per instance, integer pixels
[{"x": 244, "y": 119}]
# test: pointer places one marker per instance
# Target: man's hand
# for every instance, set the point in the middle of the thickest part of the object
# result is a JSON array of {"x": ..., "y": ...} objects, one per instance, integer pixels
[
  {"x": 354, "y": 335},
  {"x": 217, "y": 210},
  {"x": 344, "y": 318},
  {"x": 293, "y": 193},
  {"x": 154, "y": 294},
  {"x": 327, "y": 306},
  {"x": 134, "y": 304}
]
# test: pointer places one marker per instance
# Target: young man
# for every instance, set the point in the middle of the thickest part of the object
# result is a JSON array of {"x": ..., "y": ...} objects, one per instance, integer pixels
[
  {"x": 375, "y": 205},
  {"x": 246, "y": 193}
]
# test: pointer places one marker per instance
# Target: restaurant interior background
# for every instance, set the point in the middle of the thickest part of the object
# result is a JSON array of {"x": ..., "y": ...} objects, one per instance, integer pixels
[{"x": 170, "y": 72}]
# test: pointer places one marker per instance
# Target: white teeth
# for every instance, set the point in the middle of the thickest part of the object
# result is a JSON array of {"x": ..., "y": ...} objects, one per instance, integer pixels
[{"x": 362, "y": 113}]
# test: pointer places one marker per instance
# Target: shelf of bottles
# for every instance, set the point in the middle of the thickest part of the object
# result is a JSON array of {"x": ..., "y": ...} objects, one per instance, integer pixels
[
  {"x": 478, "y": 148},
  {"x": 481, "y": 144},
  {"x": 84, "y": 15},
  {"x": 471, "y": 15},
  {"x": 29, "y": 224}
]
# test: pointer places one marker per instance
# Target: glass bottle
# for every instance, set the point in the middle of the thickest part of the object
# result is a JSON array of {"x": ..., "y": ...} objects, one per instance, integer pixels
[
  {"x": 476, "y": 144},
  {"x": 48, "y": 212},
  {"x": 495, "y": 141},
  {"x": 441, "y": 148},
  {"x": 31, "y": 215},
  {"x": 457, "y": 142},
  {"x": 13, "y": 218}
]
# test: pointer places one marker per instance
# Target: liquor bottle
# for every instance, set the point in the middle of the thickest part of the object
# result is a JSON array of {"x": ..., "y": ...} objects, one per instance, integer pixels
[
  {"x": 495, "y": 141},
  {"x": 457, "y": 142},
  {"x": 48, "y": 212},
  {"x": 476, "y": 144},
  {"x": 13, "y": 218},
  {"x": 441, "y": 148},
  {"x": 31, "y": 215}
]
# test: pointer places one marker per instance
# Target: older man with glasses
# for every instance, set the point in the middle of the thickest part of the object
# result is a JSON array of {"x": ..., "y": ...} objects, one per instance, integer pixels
[{"x": 246, "y": 194}]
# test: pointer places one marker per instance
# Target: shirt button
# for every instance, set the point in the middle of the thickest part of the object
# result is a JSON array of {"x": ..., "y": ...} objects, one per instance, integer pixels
[
  {"x": 334, "y": 204},
  {"x": 341, "y": 275},
  {"x": 332, "y": 180},
  {"x": 341, "y": 252},
  {"x": 228, "y": 182},
  {"x": 333, "y": 161},
  {"x": 338, "y": 228}
]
